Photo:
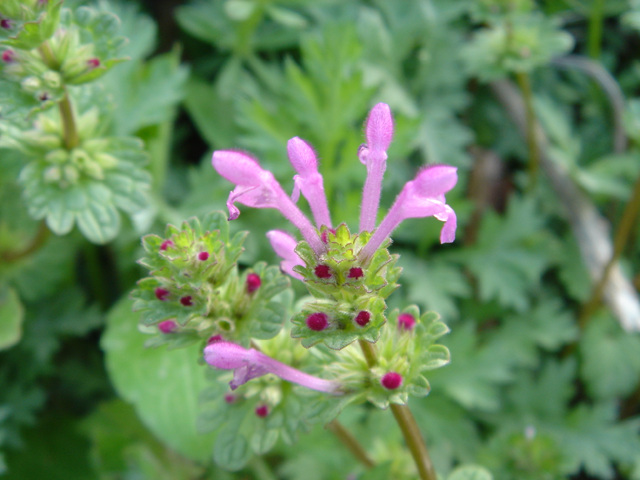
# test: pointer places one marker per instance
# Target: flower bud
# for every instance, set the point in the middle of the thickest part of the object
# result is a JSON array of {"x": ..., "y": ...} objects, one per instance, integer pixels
[
  {"x": 8, "y": 56},
  {"x": 166, "y": 244},
  {"x": 355, "y": 272},
  {"x": 322, "y": 271},
  {"x": 406, "y": 322},
  {"x": 262, "y": 411},
  {"x": 253, "y": 282},
  {"x": 202, "y": 256},
  {"x": 187, "y": 301},
  {"x": 391, "y": 380},
  {"x": 317, "y": 321},
  {"x": 93, "y": 63},
  {"x": 363, "y": 318},
  {"x": 161, "y": 293},
  {"x": 167, "y": 326}
]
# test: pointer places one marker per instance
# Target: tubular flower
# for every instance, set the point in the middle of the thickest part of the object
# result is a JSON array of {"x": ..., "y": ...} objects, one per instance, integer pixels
[
  {"x": 256, "y": 187},
  {"x": 421, "y": 197},
  {"x": 248, "y": 364},
  {"x": 308, "y": 181},
  {"x": 284, "y": 245}
]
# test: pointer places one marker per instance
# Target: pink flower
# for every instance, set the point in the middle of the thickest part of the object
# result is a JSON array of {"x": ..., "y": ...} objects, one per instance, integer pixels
[
  {"x": 284, "y": 245},
  {"x": 308, "y": 181},
  {"x": 421, "y": 197},
  {"x": 248, "y": 364},
  {"x": 256, "y": 187},
  {"x": 379, "y": 132}
]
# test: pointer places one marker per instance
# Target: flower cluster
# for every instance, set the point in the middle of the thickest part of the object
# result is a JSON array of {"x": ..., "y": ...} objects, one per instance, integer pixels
[
  {"x": 194, "y": 291},
  {"x": 349, "y": 274}
]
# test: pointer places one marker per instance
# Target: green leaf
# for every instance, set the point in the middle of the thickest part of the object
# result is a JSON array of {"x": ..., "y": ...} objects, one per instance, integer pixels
[
  {"x": 606, "y": 348},
  {"x": 34, "y": 33},
  {"x": 11, "y": 317},
  {"x": 162, "y": 385},
  {"x": 231, "y": 450},
  {"x": 470, "y": 472},
  {"x": 99, "y": 222}
]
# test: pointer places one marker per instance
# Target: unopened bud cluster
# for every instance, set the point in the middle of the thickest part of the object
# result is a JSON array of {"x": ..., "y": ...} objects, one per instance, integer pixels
[
  {"x": 45, "y": 47},
  {"x": 406, "y": 350},
  {"x": 195, "y": 291},
  {"x": 350, "y": 292}
]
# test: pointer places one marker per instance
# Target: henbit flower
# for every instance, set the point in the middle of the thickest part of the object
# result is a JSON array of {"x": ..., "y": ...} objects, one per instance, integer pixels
[
  {"x": 248, "y": 364},
  {"x": 421, "y": 197},
  {"x": 391, "y": 380},
  {"x": 378, "y": 132},
  {"x": 256, "y": 187},
  {"x": 253, "y": 282},
  {"x": 309, "y": 180},
  {"x": 284, "y": 245}
]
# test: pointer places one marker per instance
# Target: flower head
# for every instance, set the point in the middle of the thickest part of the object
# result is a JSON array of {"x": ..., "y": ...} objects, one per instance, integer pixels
[{"x": 248, "y": 364}]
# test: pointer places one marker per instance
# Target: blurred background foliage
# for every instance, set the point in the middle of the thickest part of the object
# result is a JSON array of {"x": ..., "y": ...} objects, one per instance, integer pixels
[{"x": 537, "y": 103}]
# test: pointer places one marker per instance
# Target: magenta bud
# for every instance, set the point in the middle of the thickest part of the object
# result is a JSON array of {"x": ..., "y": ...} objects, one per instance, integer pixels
[
  {"x": 355, "y": 272},
  {"x": 325, "y": 235},
  {"x": 406, "y": 321},
  {"x": 262, "y": 411},
  {"x": 317, "y": 321},
  {"x": 161, "y": 293},
  {"x": 391, "y": 380},
  {"x": 322, "y": 271},
  {"x": 203, "y": 256},
  {"x": 8, "y": 56},
  {"x": 363, "y": 318},
  {"x": 187, "y": 301},
  {"x": 214, "y": 339},
  {"x": 93, "y": 63},
  {"x": 167, "y": 326},
  {"x": 230, "y": 398},
  {"x": 253, "y": 282},
  {"x": 5, "y": 23},
  {"x": 166, "y": 244}
]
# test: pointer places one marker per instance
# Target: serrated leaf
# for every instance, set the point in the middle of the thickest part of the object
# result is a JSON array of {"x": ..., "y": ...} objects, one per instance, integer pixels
[
  {"x": 231, "y": 450},
  {"x": 99, "y": 222}
]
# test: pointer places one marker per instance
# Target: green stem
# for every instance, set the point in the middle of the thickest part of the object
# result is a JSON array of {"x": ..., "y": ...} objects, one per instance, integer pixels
[
  {"x": 70, "y": 132},
  {"x": 524, "y": 82},
  {"x": 594, "y": 42},
  {"x": 620, "y": 240},
  {"x": 351, "y": 443},
  {"x": 414, "y": 440},
  {"x": 407, "y": 424},
  {"x": 261, "y": 469}
]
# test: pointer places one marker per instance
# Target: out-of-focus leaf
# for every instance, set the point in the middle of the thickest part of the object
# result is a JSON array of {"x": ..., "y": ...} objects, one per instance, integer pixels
[
  {"x": 11, "y": 317},
  {"x": 470, "y": 472},
  {"x": 163, "y": 385}
]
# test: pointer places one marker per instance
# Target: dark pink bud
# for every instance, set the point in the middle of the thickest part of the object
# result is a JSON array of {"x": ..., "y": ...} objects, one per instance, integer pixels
[
  {"x": 5, "y": 23},
  {"x": 325, "y": 235},
  {"x": 162, "y": 293},
  {"x": 355, "y": 272},
  {"x": 93, "y": 63},
  {"x": 317, "y": 321},
  {"x": 43, "y": 97},
  {"x": 167, "y": 326},
  {"x": 406, "y": 321},
  {"x": 186, "y": 301},
  {"x": 214, "y": 339},
  {"x": 230, "y": 398},
  {"x": 166, "y": 244},
  {"x": 323, "y": 271},
  {"x": 363, "y": 318},
  {"x": 8, "y": 56},
  {"x": 253, "y": 282},
  {"x": 203, "y": 256},
  {"x": 391, "y": 380},
  {"x": 262, "y": 411}
]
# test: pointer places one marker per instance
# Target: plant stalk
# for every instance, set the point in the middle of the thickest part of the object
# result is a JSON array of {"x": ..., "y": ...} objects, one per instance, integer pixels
[
  {"x": 620, "y": 240},
  {"x": 594, "y": 40},
  {"x": 351, "y": 443},
  {"x": 407, "y": 424},
  {"x": 69, "y": 129},
  {"x": 524, "y": 83}
]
